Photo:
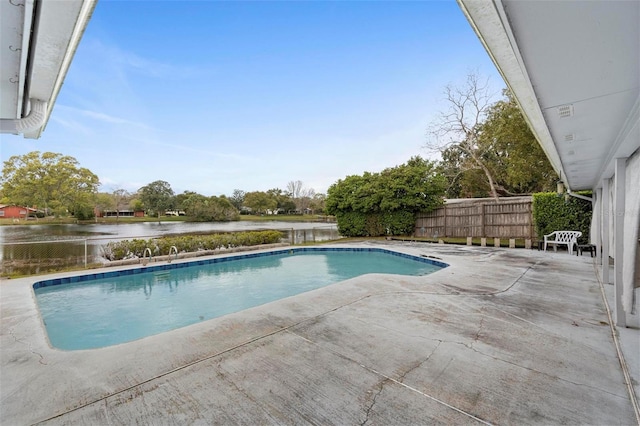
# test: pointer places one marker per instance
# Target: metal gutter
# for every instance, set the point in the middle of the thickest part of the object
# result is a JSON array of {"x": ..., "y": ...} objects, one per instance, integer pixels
[
  {"x": 34, "y": 120},
  {"x": 82, "y": 20}
]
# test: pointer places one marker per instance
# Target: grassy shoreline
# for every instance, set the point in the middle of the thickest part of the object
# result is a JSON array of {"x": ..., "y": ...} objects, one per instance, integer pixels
[{"x": 120, "y": 220}]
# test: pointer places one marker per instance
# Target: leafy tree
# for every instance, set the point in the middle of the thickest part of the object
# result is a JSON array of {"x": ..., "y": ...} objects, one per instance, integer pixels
[
  {"x": 317, "y": 203},
  {"x": 463, "y": 179},
  {"x": 210, "y": 209},
  {"x": 343, "y": 195},
  {"x": 157, "y": 197},
  {"x": 104, "y": 201},
  {"x": 48, "y": 180},
  {"x": 136, "y": 204},
  {"x": 286, "y": 204},
  {"x": 517, "y": 160},
  {"x": 386, "y": 202},
  {"x": 260, "y": 201},
  {"x": 283, "y": 199},
  {"x": 83, "y": 207},
  {"x": 451, "y": 168},
  {"x": 179, "y": 200}
]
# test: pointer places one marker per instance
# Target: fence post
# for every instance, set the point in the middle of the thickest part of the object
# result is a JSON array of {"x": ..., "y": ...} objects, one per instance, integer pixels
[
  {"x": 445, "y": 221},
  {"x": 85, "y": 253}
]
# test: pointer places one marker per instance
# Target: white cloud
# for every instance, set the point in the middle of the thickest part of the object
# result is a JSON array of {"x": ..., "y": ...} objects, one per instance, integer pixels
[{"x": 99, "y": 116}]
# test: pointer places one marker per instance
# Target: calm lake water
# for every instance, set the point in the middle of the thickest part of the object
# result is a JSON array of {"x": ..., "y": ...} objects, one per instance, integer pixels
[{"x": 41, "y": 248}]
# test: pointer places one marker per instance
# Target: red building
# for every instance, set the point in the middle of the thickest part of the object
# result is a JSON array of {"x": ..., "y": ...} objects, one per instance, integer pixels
[{"x": 15, "y": 212}]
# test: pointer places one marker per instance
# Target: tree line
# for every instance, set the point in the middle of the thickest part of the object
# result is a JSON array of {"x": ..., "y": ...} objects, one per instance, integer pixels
[
  {"x": 485, "y": 147},
  {"x": 56, "y": 185},
  {"x": 157, "y": 197}
]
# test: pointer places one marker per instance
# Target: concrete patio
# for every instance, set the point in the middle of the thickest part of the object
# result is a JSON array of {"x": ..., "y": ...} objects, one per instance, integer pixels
[{"x": 501, "y": 336}]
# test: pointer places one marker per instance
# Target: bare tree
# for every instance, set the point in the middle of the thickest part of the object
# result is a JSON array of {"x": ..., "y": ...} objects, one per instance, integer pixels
[
  {"x": 294, "y": 188},
  {"x": 301, "y": 196},
  {"x": 460, "y": 126}
]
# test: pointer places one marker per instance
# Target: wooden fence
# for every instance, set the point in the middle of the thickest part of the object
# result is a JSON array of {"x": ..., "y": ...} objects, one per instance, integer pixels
[{"x": 508, "y": 218}]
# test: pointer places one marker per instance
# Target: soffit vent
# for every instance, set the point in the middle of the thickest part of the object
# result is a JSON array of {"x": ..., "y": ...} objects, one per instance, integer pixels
[
  {"x": 569, "y": 138},
  {"x": 565, "y": 111}
]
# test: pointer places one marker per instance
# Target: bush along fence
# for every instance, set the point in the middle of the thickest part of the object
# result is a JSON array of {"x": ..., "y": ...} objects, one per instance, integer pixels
[
  {"x": 552, "y": 212},
  {"x": 527, "y": 218}
]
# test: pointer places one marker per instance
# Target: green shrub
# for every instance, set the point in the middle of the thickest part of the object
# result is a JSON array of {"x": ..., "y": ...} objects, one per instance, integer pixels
[
  {"x": 552, "y": 212},
  {"x": 352, "y": 224},
  {"x": 399, "y": 222},
  {"x": 356, "y": 224},
  {"x": 84, "y": 212}
]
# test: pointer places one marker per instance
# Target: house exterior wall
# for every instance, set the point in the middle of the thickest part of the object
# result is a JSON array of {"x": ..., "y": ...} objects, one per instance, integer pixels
[
  {"x": 122, "y": 213},
  {"x": 631, "y": 277},
  {"x": 631, "y": 222},
  {"x": 13, "y": 212}
]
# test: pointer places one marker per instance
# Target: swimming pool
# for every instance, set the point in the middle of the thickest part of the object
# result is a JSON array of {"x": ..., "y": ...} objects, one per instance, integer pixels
[{"x": 103, "y": 309}]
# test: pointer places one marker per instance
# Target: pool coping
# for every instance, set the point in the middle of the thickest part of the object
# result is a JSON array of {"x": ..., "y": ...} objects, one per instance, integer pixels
[{"x": 215, "y": 259}]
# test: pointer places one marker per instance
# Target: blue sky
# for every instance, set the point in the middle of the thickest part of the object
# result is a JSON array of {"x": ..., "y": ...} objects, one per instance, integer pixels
[{"x": 216, "y": 96}]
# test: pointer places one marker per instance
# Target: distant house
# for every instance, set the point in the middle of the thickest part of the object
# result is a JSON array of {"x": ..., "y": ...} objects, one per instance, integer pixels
[
  {"x": 121, "y": 213},
  {"x": 15, "y": 212}
]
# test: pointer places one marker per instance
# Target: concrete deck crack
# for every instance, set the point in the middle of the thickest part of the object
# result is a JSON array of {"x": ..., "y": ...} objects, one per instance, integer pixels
[
  {"x": 419, "y": 364},
  {"x": 390, "y": 379},
  {"x": 17, "y": 340},
  {"x": 373, "y": 402},
  {"x": 477, "y": 336}
]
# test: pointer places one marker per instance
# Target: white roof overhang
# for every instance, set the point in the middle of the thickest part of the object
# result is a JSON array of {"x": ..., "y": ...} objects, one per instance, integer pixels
[
  {"x": 574, "y": 68},
  {"x": 38, "y": 39}
]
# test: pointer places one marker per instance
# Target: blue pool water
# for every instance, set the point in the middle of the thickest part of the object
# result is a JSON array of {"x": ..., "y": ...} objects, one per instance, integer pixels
[{"x": 104, "y": 309}]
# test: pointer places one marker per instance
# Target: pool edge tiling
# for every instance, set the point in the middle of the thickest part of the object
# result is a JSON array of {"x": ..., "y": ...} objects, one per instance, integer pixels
[{"x": 213, "y": 260}]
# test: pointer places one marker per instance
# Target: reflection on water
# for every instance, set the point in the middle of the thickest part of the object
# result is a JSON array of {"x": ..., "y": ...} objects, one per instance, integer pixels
[
  {"x": 36, "y": 249},
  {"x": 20, "y": 233}
]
